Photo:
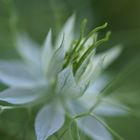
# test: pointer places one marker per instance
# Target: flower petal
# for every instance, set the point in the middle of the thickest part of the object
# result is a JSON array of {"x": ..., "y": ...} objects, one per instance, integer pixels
[
  {"x": 49, "y": 120},
  {"x": 110, "y": 55},
  {"x": 29, "y": 50},
  {"x": 47, "y": 52},
  {"x": 93, "y": 128},
  {"x": 67, "y": 31},
  {"x": 111, "y": 107},
  {"x": 14, "y": 73},
  {"x": 67, "y": 84},
  {"x": 89, "y": 98},
  {"x": 22, "y": 95},
  {"x": 87, "y": 124},
  {"x": 57, "y": 60}
]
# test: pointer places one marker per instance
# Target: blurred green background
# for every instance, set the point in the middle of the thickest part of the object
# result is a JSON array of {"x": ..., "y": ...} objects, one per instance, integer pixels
[{"x": 37, "y": 16}]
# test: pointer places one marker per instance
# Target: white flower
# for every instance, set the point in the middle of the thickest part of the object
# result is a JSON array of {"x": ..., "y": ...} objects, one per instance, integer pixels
[{"x": 58, "y": 76}]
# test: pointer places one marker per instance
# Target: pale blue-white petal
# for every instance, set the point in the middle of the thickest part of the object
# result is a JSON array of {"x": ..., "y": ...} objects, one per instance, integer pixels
[
  {"x": 68, "y": 32},
  {"x": 75, "y": 107},
  {"x": 88, "y": 125},
  {"x": 49, "y": 120},
  {"x": 111, "y": 107},
  {"x": 92, "y": 71},
  {"x": 99, "y": 63},
  {"x": 67, "y": 84},
  {"x": 17, "y": 95},
  {"x": 110, "y": 55},
  {"x": 47, "y": 52},
  {"x": 93, "y": 90},
  {"x": 83, "y": 67},
  {"x": 93, "y": 128},
  {"x": 29, "y": 50},
  {"x": 15, "y": 73},
  {"x": 107, "y": 106},
  {"x": 57, "y": 60}
]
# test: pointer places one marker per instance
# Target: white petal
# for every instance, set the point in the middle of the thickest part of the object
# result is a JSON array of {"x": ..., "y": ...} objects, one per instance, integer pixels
[
  {"x": 110, "y": 107},
  {"x": 87, "y": 124},
  {"x": 67, "y": 84},
  {"x": 47, "y": 52},
  {"x": 82, "y": 69},
  {"x": 14, "y": 73},
  {"x": 93, "y": 128},
  {"x": 93, "y": 91},
  {"x": 57, "y": 60},
  {"x": 49, "y": 120},
  {"x": 29, "y": 50},
  {"x": 22, "y": 95},
  {"x": 75, "y": 107},
  {"x": 110, "y": 55},
  {"x": 93, "y": 70},
  {"x": 67, "y": 31}
]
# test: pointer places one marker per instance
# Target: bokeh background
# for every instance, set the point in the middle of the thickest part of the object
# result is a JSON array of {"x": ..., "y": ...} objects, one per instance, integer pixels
[{"x": 36, "y": 17}]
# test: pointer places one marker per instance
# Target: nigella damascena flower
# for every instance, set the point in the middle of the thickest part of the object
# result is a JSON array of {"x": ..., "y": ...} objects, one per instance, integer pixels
[{"x": 62, "y": 78}]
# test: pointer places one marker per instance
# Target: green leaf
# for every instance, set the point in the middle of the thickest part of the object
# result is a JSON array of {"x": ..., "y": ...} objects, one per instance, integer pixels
[{"x": 49, "y": 120}]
